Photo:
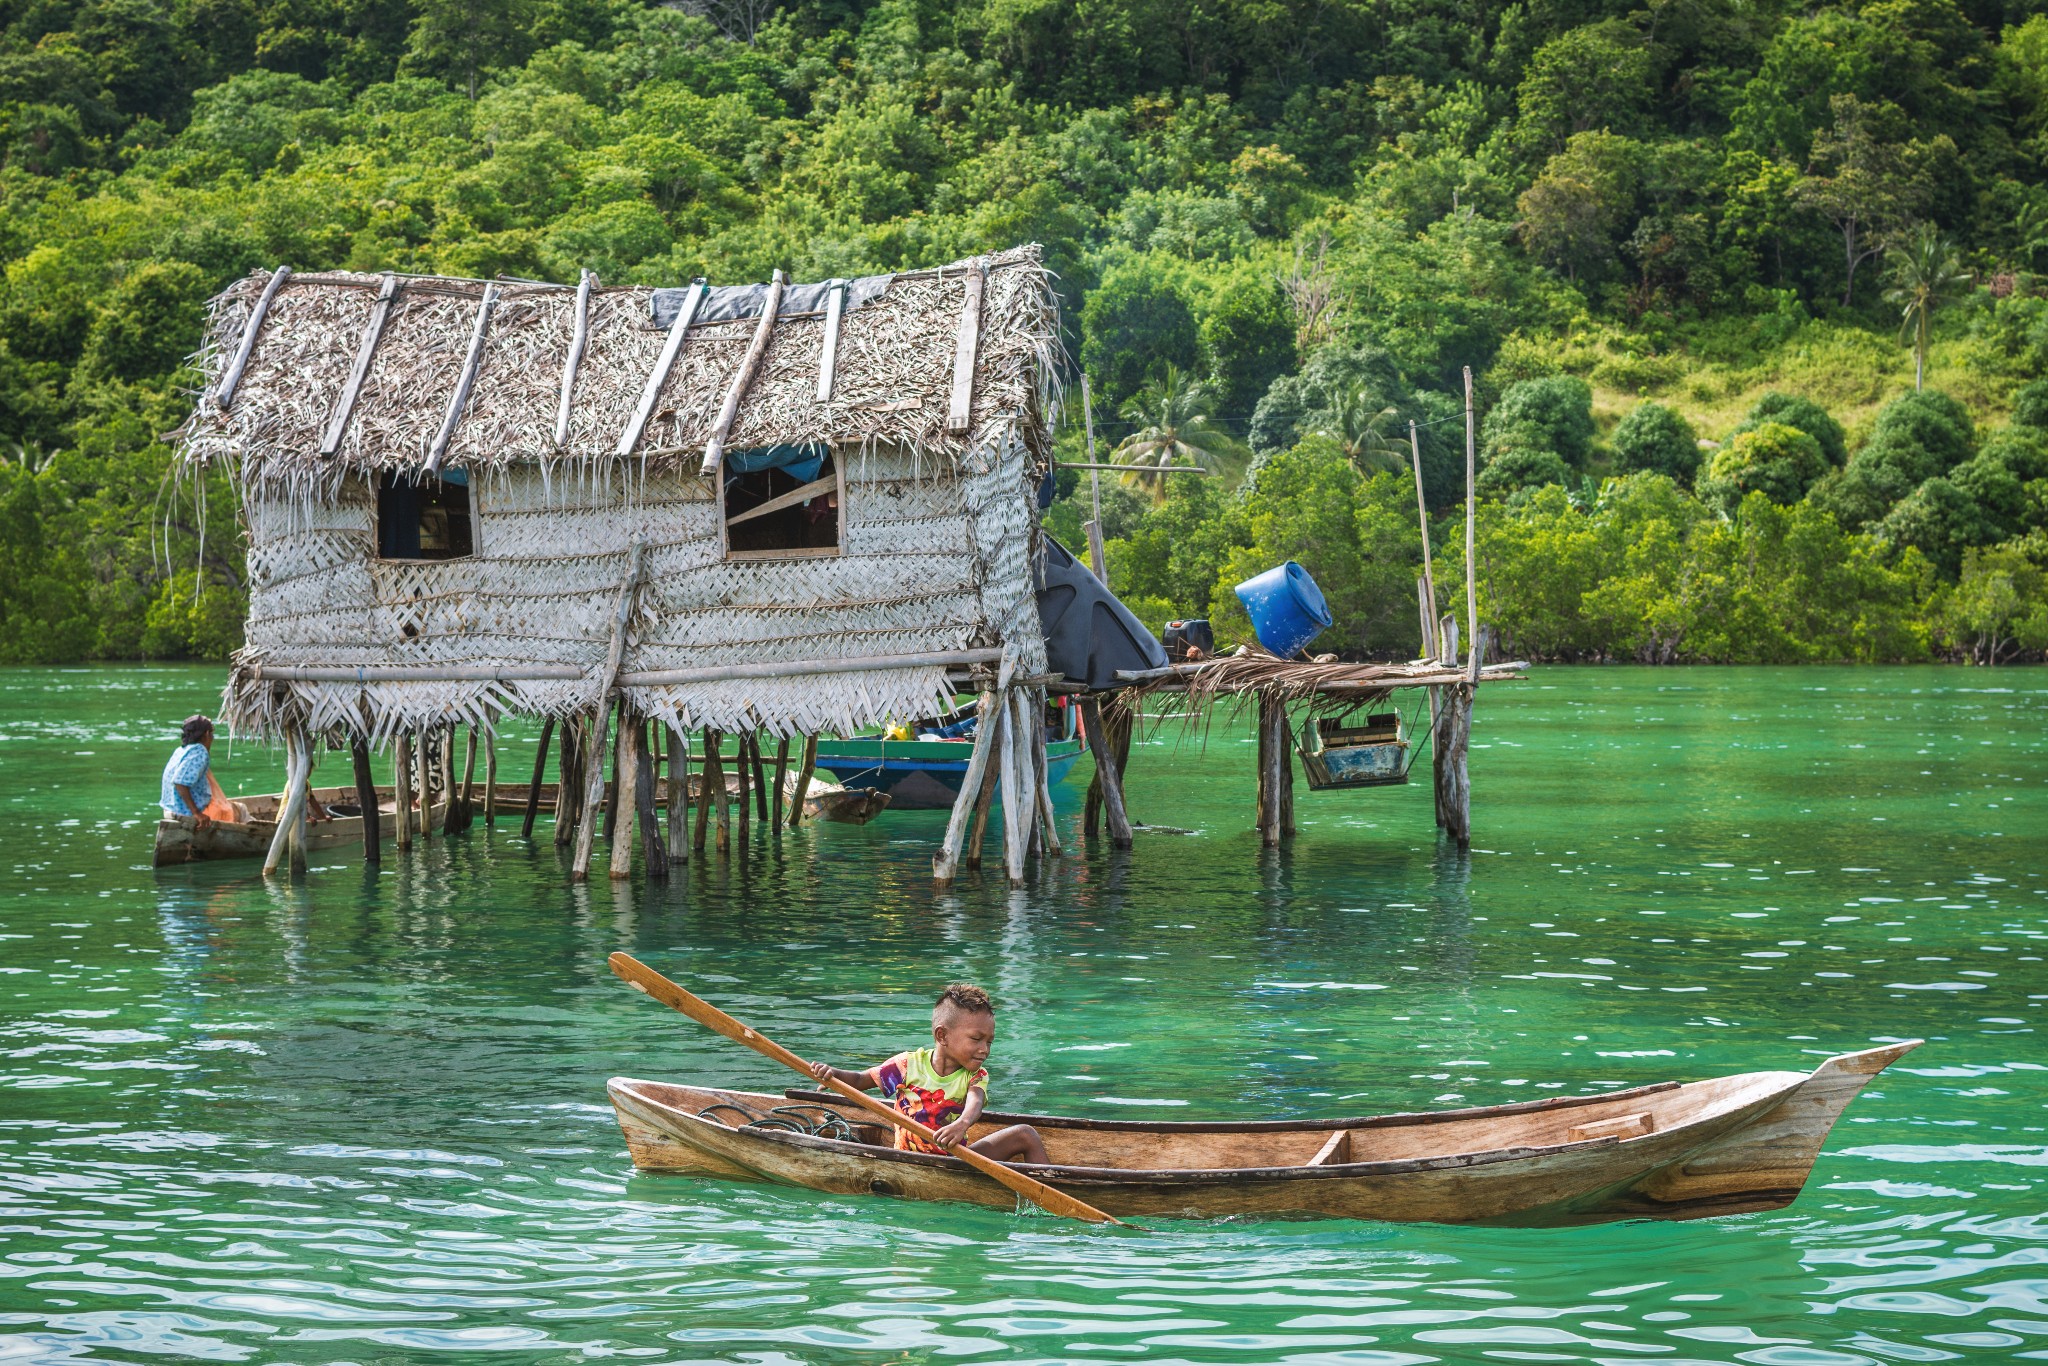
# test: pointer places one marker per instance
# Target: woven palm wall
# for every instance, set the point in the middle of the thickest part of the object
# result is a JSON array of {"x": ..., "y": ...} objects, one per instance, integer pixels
[{"x": 937, "y": 526}]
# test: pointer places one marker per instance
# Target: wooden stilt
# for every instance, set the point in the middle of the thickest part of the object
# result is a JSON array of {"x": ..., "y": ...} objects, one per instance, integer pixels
[
  {"x": 781, "y": 783},
  {"x": 653, "y": 852},
  {"x": 591, "y": 817},
  {"x": 1440, "y": 736},
  {"x": 679, "y": 796},
  {"x": 1453, "y": 781},
  {"x": 1283, "y": 741},
  {"x": 706, "y": 793},
  {"x": 423, "y": 778},
  {"x": 1121, "y": 723},
  {"x": 611, "y": 797},
  {"x": 1016, "y": 794},
  {"x": 298, "y": 813},
  {"x": 1041, "y": 781},
  {"x": 947, "y": 861},
  {"x": 568, "y": 781},
  {"x": 366, "y": 798},
  {"x": 626, "y": 802},
  {"x": 1107, "y": 780},
  {"x": 742, "y": 769},
  {"x": 996, "y": 725},
  {"x": 540, "y": 773},
  {"x": 298, "y": 767},
  {"x": 803, "y": 781},
  {"x": 714, "y": 779},
  {"x": 1265, "y": 769},
  {"x": 760, "y": 777},
  {"x": 490, "y": 780},
  {"x": 401, "y": 783},
  {"x": 1273, "y": 747},
  {"x": 462, "y": 818},
  {"x": 1091, "y": 805}
]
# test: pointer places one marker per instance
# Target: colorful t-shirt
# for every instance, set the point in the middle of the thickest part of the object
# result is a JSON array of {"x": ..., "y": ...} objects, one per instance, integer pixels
[
  {"x": 187, "y": 766},
  {"x": 918, "y": 1089}
]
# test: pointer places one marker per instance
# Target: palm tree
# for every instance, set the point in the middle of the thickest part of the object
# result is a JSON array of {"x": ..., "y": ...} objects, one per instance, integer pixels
[
  {"x": 1925, "y": 272},
  {"x": 1174, "y": 429},
  {"x": 1366, "y": 433}
]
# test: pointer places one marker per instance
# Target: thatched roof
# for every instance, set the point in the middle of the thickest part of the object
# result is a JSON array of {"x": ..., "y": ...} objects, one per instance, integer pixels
[{"x": 892, "y": 380}]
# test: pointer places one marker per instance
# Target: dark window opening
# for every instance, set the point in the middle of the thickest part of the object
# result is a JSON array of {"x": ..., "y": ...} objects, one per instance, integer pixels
[
  {"x": 424, "y": 518},
  {"x": 788, "y": 509}
]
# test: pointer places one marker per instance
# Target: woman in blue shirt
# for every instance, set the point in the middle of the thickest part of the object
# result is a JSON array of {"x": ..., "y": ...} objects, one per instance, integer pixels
[{"x": 187, "y": 786}]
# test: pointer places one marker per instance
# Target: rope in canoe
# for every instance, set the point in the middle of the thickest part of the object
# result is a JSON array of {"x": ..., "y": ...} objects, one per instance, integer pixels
[{"x": 815, "y": 1120}]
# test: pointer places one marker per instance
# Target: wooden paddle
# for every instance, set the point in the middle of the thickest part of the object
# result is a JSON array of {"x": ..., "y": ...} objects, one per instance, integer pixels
[{"x": 644, "y": 979}]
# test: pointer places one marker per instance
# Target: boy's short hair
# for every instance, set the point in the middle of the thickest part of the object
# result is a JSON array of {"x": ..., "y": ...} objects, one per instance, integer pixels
[{"x": 965, "y": 997}]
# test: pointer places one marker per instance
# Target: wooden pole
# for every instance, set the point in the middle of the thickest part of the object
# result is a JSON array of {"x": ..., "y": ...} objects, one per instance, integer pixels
[
  {"x": 401, "y": 785},
  {"x": 490, "y": 780},
  {"x": 652, "y": 850},
  {"x": 591, "y": 815},
  {"x": 577, "y": 340},
  {"x": 1422, "y": 520},
  {"x": 298, "y": 765},
  {"x": 1041, "y": 780},
  {"x": 1441, "y": 737},
  {"x": 803, "y": 781},
  {"x": 540, "y": 772},
  {"x": 996, "y": 725},
  {"x": 366, "y": 798},
  {"x": 1471, "y": 521},
  {"x": 1121, "y": 723},
  {"x": 742, "y": 769},
  {"x": 760, "y": 777},
  {"x": 471, "y": 363},
  {"x": 468, "y": 781},
  {"x": 298, "y": 812},
  {"x": 781, "y": 783},
  {"x": 679, "y": 795},
  {"x": 1017, "y": 810},
  {"x": 714, "y": 763},
  {"x": 568, "y": 780},
  {"x": 632, "y": 735},
  {"x": 1095, "y": 559},
  {"x": 1107, "y": 780},
  {"x": 1273, "y": 746},
  {"x": 611, "y": 798},
  {"x": 706, "y": 793},
  {"x": 224, "y": 394},
  {"x": 423, "y": 761},
  {"x": 721, "y": 426},
  {"x": 947, "y": 861}
]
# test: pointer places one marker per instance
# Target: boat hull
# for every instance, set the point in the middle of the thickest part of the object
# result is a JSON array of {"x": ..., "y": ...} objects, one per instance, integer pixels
[
  {"x": 1728, "y": 1146},
  {"x": 921, "y": 775}
]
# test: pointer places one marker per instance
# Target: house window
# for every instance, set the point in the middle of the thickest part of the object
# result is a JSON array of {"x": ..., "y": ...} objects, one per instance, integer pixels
[
  {"x": 781, "y": 502},
  {"x": 424, "y": 518}
]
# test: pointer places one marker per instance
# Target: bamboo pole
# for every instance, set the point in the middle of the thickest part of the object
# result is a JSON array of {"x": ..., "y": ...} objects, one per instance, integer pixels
[
  {"x": 540, "y": 773},
  {"x": 490, "y": 780},
  {"x": 1471, "y": 522},
  {"x": 803, "y": 781},
  {"x": 947, "y": 861},
  {"x": 1095, "y": 558},
  {"x": 366, "y": 798},
  {"x": 1422, "y": 520}
]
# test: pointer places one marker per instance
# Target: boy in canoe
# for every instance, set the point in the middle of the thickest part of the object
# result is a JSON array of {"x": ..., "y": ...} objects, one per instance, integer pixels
[{"x": 944, "y": 1087}]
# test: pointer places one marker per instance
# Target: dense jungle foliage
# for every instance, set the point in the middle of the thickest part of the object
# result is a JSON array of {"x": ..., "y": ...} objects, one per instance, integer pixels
[{"x": 1697, "y": 253}]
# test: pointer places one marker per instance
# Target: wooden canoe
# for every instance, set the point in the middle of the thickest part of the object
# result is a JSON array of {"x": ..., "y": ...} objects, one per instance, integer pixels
[{"x": 1731, "y": 1145}]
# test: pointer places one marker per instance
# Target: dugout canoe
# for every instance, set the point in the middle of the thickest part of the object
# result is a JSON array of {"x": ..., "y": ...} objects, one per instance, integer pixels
[{"x": 1729, "y": 1145}]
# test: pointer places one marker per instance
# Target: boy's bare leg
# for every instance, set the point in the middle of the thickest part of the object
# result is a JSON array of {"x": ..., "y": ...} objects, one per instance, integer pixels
[{"x": 1018, "y": 1143}]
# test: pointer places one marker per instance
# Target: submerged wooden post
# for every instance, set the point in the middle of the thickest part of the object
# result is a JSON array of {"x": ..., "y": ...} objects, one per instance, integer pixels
[
  {"x": 366, "y": 798},
  {"x": 1108, "y": 781},
  {"x": 803, "y": 781},
  {"x": 540, "y": 772},
  {"x": 611, "y": 793},
  {"x": 947, "y": 861},
  {"x": 401, "y": 787},
  {"x": 298, "y": 770},
  {"x": 1278, "y": 771},
  {"x": 1041, "y": 779},
  {"x": 490, "y": 780},
  {"x": 626, "y": 803},
  {"x": 1444, "y": 739},
  {"x": 704, "y": 788},
  {"x": 678, "y": 795},
  {"x": 998, "y": 726},
  {"x": 468, "y": 783},
  {"x": 741, "y": 753}
]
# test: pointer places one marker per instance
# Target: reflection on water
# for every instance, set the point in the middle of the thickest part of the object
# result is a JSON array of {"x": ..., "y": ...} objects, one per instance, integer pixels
[{"x": 363, "y": 1119}]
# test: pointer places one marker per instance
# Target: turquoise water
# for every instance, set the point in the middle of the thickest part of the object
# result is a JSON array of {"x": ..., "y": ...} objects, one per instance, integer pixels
[{"x": 364, "y": 1119}]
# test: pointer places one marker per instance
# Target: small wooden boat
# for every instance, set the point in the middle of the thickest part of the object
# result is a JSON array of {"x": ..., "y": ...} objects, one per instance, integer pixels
[
  {"x": 1731, "y": 1145},
  {"x": 1336, "y": 755},
  {"x": 925, "y": 774}
]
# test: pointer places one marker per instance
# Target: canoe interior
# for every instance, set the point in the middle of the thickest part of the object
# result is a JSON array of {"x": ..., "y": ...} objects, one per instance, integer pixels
[{"x": 1141, "y": 1147}]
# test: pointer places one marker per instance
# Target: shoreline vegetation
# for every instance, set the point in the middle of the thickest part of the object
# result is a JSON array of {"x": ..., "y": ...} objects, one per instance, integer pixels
[{"x": 1750, "y": 293}]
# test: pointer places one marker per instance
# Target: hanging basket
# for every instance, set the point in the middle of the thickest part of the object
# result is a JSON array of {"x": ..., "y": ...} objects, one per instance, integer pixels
[{"x": 1335, "y": 754}]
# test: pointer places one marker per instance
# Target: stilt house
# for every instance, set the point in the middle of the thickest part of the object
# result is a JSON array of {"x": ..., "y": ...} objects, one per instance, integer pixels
[{"x": 780, "y": 508}]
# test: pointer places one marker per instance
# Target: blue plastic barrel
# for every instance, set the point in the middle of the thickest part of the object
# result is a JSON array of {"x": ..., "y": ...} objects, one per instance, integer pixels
[{"x": 1286, "y": 607}]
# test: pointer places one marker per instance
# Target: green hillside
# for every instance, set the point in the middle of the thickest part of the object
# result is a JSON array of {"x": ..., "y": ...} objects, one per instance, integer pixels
[{"x": 1282, "y": 230}]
